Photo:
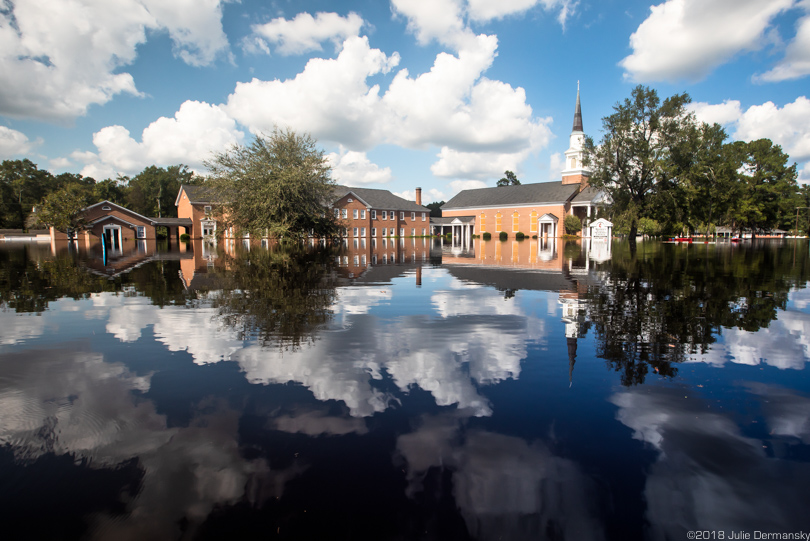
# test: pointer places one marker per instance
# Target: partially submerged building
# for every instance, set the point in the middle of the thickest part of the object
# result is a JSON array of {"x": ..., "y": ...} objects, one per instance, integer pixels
[{"x": 532, "y": 209}]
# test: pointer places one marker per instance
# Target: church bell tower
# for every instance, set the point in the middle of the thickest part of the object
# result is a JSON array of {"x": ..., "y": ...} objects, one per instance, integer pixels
[{"x": 575, "y": 172}]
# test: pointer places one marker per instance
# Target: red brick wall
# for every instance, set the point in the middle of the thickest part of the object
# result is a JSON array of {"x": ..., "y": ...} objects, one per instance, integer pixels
[
  {"x": 525, "y": 219},
  {"x": 410, "y": 222}
]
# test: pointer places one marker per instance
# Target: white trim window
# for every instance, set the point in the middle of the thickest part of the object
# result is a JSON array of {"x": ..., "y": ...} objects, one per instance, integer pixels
[
  {"x": 401, "y": 214},
  {"x": 363, "y": 214},
  {"x": 373, "y": 214},
  {"x": 413, "y": 216},
  {"x": 140, "y": 231},
  {"x": 413, "y": 231},
  {"x": 423, "y": 216},
  {"x": 337, "y": 213},
  {"x": 354, "y": 232},
  {"x": 355, "y": 212},
  {"x": 401, "y": 231},
  {"x": 384, "y": 215},
  {"x": 363, "y": 232},
  {"x": 373, "y": 232},
  {"x": 344, "y": 213}
]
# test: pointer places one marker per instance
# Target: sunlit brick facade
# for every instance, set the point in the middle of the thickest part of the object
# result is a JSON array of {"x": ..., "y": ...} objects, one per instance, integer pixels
[{"x": 367, "y": 213}]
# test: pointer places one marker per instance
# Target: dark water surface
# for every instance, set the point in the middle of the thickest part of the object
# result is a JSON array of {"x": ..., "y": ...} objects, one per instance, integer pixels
[{"x": 405, "y": 391}]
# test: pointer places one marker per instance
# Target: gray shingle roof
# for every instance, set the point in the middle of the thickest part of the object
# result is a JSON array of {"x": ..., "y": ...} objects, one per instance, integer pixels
[
  {"x": 449, "y": 219},
  {"x": 524, "y": 194},
  {"x": 380, "y": 199},
  {"x": 199, "y": 194},
  {"x": 587, "y": 195}
]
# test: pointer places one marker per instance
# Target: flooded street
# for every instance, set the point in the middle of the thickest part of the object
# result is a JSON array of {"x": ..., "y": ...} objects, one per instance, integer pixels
[{"x": 406, "y": 390}]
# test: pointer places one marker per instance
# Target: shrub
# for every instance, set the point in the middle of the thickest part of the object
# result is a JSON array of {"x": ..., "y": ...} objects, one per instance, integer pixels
[
  {"x": 503, "y": 235},
  {"x": 572, "y": 224},
  {"x": 534, "y": 236},
  {"x": 185, "y": 237},
  {"x": 519, "y": 236},
  {"x": 486, "y": 235}
]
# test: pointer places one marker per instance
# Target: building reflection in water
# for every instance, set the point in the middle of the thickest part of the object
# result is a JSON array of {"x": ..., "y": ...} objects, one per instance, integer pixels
[{"x": 101, "y": 260}]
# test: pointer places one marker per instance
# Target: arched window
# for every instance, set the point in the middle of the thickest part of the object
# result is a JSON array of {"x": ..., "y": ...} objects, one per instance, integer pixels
[
  {"x": 498, "y": 222},
  {"x": 483, "y": 222},
  {"x": 515, "y": 222},
  {"x": 533, "y": 225}
]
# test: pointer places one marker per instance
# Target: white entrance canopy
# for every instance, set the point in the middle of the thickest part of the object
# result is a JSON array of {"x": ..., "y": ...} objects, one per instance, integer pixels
[{"x": 548, "y": 225}]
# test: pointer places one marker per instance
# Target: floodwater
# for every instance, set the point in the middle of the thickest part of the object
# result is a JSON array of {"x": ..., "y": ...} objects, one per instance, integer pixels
[{"x": 401, "y": 389}]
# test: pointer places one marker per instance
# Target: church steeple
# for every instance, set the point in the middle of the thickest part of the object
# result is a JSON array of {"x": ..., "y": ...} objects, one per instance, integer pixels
[
  {"x": 575, "y": 171},
  {"x": 578, "y": 114}
]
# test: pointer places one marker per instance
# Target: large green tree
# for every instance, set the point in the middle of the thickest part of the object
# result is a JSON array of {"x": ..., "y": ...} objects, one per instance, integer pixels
[
  {"x": 22, "y": 185},
  {"x": 766, "y": 193},
  {"x": 280, "y": 183},
  {"x": 509, "y": 179},
  {"x": 153, "y": 191},
  {"x": 634, "y": 162},
  {"x": 708, "y": 183},
  {"x": 62, "y": 208},
  {"x": 110, "y": 190},
  {"x": 435, "y": 208}
]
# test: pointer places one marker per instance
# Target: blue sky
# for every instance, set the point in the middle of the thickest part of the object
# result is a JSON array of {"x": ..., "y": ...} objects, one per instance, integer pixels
[{"x": 440, "y": 94}]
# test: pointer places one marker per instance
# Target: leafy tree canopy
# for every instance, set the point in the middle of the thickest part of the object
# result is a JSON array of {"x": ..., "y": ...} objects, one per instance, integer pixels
[
  {"x": 280, "y": 183},
  {"x": 22, "y": 185},
  {"x": 635, "y": 160},
  {"x": 435, "y": 208},
  {"x": 62, "y": 208},
  {"x": 508, "y": 180},
  {"x": 153, "y": 191}
]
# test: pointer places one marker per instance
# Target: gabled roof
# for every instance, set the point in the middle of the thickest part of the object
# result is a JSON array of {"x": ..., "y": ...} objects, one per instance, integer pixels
[
  {"x": 379, "y": 199},
  {"x": 548, "y": 193},
  {"x": 112, "y": 217},
  {"x": 196, "y": 194},
  {"x": 124, "y": 209}
]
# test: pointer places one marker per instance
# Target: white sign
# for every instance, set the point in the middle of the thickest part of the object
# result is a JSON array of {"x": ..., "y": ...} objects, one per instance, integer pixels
[{"x": 599, "y": 230}]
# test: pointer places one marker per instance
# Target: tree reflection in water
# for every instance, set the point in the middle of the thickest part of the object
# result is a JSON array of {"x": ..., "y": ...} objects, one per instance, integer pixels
[
  {"x": 656, "y": 306},
  {"x": 277, "y": 295}
]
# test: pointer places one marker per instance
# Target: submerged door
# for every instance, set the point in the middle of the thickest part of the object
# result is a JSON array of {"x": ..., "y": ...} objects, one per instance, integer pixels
[{"x": 112, "y": 238}]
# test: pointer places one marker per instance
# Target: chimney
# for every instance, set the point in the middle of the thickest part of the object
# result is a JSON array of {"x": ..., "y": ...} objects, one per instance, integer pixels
[{"x": 419, "y": 196}]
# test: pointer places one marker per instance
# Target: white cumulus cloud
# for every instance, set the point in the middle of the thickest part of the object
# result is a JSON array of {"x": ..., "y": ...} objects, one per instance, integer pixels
[
  {"x": 330, "y": 99},
  {"x": 787, "y": 126},
  {"x": 352, "y": 168},
  {"x": 687, "y": 39},
  {"x": 483, "y": 126},
  {"x": 438, "y": 19},
  {"x": 13, "y": 143},
  {"x": 796, "y": 63},
  {"x": 485, "y": 10},
  {"x": 304, "y": 33},
  {"x": 58, "y": 57},
  {"x": 722, "y": 113},
  {"x": 196, "y": 131},
  {"x": 556, "y": 164}
]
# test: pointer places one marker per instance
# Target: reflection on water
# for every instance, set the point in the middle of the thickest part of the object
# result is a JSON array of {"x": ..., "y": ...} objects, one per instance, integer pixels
[{"x": 404, "y": 389}]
